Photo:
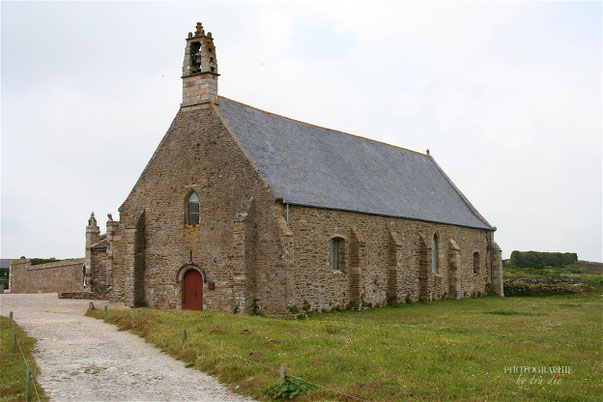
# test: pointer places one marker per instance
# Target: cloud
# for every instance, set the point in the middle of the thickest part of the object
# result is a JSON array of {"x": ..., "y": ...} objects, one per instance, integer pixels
[{"x": 507, "y": 96}]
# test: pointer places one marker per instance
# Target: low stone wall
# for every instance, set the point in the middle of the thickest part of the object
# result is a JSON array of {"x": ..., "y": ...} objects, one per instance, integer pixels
[
  {"x": 83, "y": 295},
  {"x": 60, "y": 276},
  {"x": 542, "y": 286}
]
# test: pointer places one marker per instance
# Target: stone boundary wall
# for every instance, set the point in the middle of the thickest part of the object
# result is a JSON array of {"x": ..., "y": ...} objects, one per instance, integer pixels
[
  {"x": 60, "y": 276},
  {"x": 82, "y": 296}
]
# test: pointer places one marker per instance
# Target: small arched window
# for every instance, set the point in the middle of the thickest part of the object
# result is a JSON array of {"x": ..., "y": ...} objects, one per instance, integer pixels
[
  {"x": 193, "y": 217},
  {"x": 434, "y": 255},
  {"x": 336, "y": 253},
  {"x": 476, "y": 263}
]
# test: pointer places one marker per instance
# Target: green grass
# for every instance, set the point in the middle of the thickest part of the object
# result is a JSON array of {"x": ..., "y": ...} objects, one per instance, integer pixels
[
  {"x": 442, "y": 350},
  {"x": 13, "y": 373}
]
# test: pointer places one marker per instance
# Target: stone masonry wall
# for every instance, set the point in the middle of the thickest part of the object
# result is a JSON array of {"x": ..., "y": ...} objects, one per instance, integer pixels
[
  {"x": 259, "y": 262},
  {"x": 98, "y": 281},
  {"x": 392, "y": 253},
  {"x": 60, "y": 276},
  {"x": 199, "y": 154}
]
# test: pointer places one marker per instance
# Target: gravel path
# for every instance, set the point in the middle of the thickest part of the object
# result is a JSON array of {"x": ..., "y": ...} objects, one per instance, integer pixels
[{"x": 83, "y": 359}]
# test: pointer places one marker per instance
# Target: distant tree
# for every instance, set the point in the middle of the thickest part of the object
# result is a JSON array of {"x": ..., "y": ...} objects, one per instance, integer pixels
[{"x": 539, "y": 259}]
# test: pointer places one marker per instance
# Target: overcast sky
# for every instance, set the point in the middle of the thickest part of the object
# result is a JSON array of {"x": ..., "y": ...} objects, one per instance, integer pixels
[{"x": 507, "y": 97}]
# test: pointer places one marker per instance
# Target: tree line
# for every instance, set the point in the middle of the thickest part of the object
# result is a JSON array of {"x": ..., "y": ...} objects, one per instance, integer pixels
[{"x": 541, "y": 259}]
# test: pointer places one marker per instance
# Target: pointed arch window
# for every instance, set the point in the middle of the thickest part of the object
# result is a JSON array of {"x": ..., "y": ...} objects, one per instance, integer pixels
[
  {"x": 193, "y": 217},
  {"x": 434, "y": 254}
]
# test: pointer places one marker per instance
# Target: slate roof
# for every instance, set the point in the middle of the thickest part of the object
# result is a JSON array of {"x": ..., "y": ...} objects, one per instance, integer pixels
[{"x": 314, "y": 166}]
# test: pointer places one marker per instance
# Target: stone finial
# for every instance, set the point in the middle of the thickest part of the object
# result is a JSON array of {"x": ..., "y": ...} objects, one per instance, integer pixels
[
  {"x": 190, "y": 35},
  {"x": 200, "y": 31},
  {"x": 427, "y": 151},
  {"x": 110, "y": 217},
  {"x": 92, "y": 220}
]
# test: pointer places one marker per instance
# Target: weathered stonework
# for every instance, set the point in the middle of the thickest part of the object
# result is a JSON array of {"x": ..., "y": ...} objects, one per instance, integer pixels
[
  {"x": 393, "y": 263},
  {"x": 60, "y": 276},
  {"x": 226, "y": 242},
  {"x": 200, "y": 69}
]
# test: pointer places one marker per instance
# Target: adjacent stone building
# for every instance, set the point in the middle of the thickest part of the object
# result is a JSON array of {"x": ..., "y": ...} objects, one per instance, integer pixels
[{"x": 243, "y": 210}]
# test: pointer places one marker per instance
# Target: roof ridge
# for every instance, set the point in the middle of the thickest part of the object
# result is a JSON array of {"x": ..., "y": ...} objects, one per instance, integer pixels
[{"x": 324, "y": 128}]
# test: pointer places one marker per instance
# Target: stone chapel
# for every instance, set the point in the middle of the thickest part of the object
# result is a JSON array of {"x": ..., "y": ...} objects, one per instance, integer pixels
[{"x": 244, "y": 210}]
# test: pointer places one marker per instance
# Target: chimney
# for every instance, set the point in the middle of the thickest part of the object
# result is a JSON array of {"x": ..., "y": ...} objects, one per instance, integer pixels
[{"x": 200, "y": 69}]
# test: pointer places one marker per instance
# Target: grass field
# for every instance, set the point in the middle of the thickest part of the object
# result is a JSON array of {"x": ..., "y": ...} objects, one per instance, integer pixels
[
  {"x": 441, "y": 350},
  {"x": 13, "y": 373}
]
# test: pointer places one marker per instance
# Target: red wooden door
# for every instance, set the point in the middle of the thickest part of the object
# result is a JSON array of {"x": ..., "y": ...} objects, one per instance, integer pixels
[{"x": 192, "y": 291}]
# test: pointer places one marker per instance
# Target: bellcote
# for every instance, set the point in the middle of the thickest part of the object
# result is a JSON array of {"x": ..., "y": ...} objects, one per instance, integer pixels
[{"x": 200, "y": 69}]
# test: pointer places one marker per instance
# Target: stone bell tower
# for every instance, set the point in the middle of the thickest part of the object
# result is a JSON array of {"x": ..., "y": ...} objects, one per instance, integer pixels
[{"x": 200, "y": 69}]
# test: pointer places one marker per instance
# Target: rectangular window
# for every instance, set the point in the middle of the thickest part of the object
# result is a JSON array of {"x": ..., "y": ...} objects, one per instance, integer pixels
[{"x": 335, "y": 254}]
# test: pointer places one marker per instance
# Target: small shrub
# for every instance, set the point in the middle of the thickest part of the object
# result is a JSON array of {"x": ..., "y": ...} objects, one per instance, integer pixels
[
  {"x": 293, "y": 309},
  {"x": 235, "y": 310},
  {"x": 290, "y": 389}
]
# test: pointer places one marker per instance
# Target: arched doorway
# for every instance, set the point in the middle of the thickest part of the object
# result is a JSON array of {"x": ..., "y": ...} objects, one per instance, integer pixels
[{"x": 192, "y": 290}]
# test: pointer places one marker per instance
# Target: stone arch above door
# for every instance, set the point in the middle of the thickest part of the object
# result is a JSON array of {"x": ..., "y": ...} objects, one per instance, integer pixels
[
  {"x": 182, "y": 270},
  {"x": 180, "y": 280}
]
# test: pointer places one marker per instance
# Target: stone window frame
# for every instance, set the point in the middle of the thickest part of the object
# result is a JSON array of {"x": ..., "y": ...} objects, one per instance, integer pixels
[
  {"x": 341, "y": 253},
  {"x": 186, "y": 209},
  {"x": 435, "y": 253},
  {"x": 476, "y": 263}
]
